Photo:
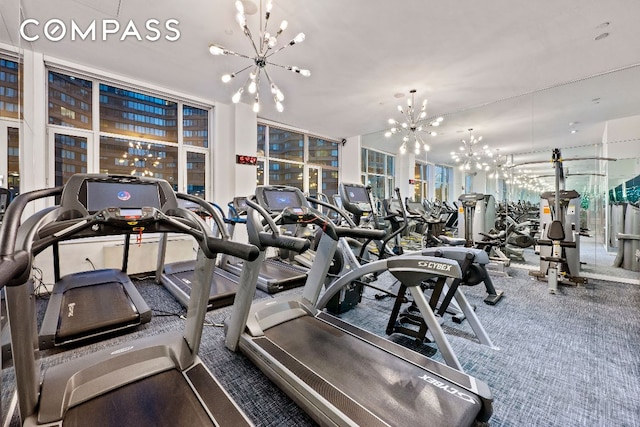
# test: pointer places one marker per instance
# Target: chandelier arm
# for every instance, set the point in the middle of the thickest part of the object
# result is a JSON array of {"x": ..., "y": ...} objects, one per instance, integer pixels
[
  {"x": 279, "y": 49},
  {"x": 245, "y": 68},
  {"x": 291, "y": 68}
]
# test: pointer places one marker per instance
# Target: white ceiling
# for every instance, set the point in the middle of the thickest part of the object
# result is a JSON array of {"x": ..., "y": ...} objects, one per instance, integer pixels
[{"x": 482, "y": 64}]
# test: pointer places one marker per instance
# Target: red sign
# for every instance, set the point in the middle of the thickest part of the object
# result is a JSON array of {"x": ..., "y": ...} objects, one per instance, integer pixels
[
  {"x": 246, "y": 160},
  {"x": 412, "y": 181}
]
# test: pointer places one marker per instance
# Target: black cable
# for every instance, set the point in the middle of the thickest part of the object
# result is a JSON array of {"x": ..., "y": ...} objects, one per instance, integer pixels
[
  {"x": 40, "y": 289},
  {"x": 90, "y": 262}
]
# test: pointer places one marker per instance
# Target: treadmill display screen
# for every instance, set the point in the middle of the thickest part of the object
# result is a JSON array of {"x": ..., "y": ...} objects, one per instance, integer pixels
[
  {"x": 278, "y": 200},
  {"x": 356, "y": 194},
  {"x": 102, "y": 195}
]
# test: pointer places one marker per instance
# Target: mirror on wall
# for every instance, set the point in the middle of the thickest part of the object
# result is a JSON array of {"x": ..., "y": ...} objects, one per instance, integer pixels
[{"x": 593, "y": 118}]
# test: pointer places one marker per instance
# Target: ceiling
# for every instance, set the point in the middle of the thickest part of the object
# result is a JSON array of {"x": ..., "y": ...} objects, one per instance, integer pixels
[{"x": 516, "y": 71}]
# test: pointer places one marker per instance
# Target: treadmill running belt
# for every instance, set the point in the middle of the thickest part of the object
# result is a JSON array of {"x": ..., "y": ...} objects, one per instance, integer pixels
[
  {"x": 161, "y": 400},
  {"x": 394, "y": 390},
  {"x": 94, "y": 308}
]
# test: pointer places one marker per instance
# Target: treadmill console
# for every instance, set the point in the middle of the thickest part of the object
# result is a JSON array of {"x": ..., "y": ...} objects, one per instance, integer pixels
[
  {"x": 355, "y": 199},
  {"x": 277, "y": 198},
  {"x": 117, "y": 201},
  {"x": 297, "y": 215}
]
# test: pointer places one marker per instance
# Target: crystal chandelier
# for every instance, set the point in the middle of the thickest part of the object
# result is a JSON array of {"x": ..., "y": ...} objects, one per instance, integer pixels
[
  {"x": 413, "y": 123},
  {"x": 263, "y": 49},
  {"x": 470, "y": 155}
]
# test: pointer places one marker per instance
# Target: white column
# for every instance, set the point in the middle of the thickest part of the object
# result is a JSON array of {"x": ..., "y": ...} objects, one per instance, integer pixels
[
  {"x": 33, "y": 143},
  {"x": 351, "y": 160}
]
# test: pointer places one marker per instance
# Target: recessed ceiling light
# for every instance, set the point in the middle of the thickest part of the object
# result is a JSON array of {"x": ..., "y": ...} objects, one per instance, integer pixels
[
  {"x": 601, "y": 36},
  {"x": 603, "y": 25},
  {"x": 398, "y": 95},
  {"x": 595, "y": 100},
  {"x": 574, "y": 131}
]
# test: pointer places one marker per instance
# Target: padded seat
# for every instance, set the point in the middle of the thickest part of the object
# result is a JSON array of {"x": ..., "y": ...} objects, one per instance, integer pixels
[{"x": 453, "y": 241}]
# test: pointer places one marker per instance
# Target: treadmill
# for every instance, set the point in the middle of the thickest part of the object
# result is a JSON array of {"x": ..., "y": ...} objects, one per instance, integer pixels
[
  {"x": 177, "y": 277},
  {"x": 338, "y": 373},
  {"x": 275, "y": 275},
  {"x": 157, "y": 380}
]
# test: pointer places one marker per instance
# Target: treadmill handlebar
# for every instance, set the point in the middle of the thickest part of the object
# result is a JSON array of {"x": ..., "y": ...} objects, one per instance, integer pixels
[
  {"x": 14, "y": 269},
  {"x": 296, "y": 244},
  {"x": 11, "y": 219},
  {"x": 361, "y": 233},
  {"x": 240, "y": 250}
]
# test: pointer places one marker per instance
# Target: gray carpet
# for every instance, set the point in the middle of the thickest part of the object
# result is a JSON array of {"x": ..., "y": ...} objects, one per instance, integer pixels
[{"x": 571, "y": 359}]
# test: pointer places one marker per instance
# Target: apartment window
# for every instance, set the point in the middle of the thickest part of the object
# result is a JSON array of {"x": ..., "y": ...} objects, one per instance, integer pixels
[
  {"x": 195, "y": 125},
  {"x": 10, "y": 88},
  {"x": 13, "y": 160},
  {"x": 69, "y": 101},
  {"x": 70, "y": 157},
  {"x": 286, "y": 145},
  {"x": 130, "y": 113}
]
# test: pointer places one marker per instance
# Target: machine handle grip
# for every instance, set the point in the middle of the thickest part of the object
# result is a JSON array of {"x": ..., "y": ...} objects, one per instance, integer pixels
[
  {"x": 295, "y": 244},
  {"x": 12, "y": 267},
  {"x": 241, "y": 250},
  {"x": 11, "y": 219},
  {"x": 363, "y": 233}
]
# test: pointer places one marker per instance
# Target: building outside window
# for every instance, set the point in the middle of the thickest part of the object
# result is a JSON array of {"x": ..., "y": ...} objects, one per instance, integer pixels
[
  {"x": 421, "y": 177},
  {"x": 443, "y": 181},
  {"x": 138, "y": 133},
  {"x": 10, "y": 121},
  {"x": 378, "y": 170}
]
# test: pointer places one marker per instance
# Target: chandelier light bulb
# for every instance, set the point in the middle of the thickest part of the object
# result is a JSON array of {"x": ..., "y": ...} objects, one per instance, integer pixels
[
  {"x": 269, "y": 6},
  {"x": 433, "y": 133},
  {"x": 423, "y": 114},
  {"x": 256, "y": 106},
  {"x": 388, "y": 134},
  {"x": 236, "y": 96},
  {"x": 241, "y": 20},
  {"x": 394, "y": 130},
  {"x": 298, "y": 39},
  {"x": 253, "y": 87},
  {"x": 404, "y": 125},
  {"x": 417, "y": 145},
  {"x": 417, "y": 150},
  {"x": 239, "y": 6},
  {"x": 279, "y": 105},
  {"x": 405, "y": 139},
  {"x": 436, "y": 123},
  {"x": 403, "y": 149},
  {"x": 400, "y": 109},
  {"x": 467, "y": 166},
  {"x": 426, "y": 147},
  {"x": 392, "y": 121},
  {"x": 283, "y": 26},
  {"x": 305, "y": 73},
  {"x": 214, "y": 49},
  {"x": 226, "y": 78}
]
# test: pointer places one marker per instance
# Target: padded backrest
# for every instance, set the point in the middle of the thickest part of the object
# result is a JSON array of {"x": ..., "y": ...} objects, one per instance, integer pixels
[{"x": 556, "y": 231}]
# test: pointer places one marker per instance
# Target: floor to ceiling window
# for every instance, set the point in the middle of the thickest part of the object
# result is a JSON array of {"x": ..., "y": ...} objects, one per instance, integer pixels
[
  {"x": 288, "y": 157},
  {"x": 378, "y": 170},
  {"x": 126, "y": 131}
]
